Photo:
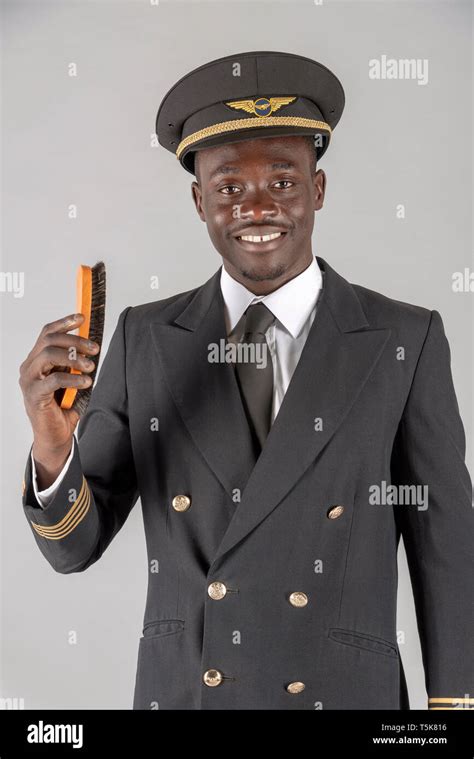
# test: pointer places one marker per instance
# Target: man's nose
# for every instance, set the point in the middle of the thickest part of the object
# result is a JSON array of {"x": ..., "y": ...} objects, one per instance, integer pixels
[{"x": 258, "y": 205}]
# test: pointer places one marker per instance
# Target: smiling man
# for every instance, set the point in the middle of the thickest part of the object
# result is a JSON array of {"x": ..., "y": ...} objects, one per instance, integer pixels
[{"x": 272, "y": 571}]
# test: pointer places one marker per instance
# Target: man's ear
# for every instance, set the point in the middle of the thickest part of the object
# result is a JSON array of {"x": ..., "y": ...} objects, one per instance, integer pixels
[
  {"x": 197, "y": 197},
  {"x": 319, "y": 183}
]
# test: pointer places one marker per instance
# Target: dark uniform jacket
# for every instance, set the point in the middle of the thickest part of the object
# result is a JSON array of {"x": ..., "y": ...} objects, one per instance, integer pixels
[{"x": 273, "y": 582}]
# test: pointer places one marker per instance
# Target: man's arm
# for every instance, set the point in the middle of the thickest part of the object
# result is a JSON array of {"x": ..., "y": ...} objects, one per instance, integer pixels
[
  {"x": 439, "y": 541},
  {"x": 99, "y": 488}
]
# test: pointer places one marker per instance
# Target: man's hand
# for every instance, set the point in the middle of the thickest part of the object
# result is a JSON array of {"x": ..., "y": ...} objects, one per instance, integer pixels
[{"x": 40, "y": 376}]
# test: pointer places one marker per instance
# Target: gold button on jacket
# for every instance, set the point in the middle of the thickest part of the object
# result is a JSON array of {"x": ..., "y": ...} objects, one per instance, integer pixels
[
  {"x": 212, "y": 677},
  {"x": 181, "y": 503},
  {"x": 295, "y": 687},
  {"x": 298, "y": 599},
  {"x": 217, "y": 590},
  {"x": 335, "y": 512}
]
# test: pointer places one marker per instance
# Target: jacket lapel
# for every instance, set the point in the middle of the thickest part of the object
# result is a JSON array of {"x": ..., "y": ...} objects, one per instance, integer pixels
[
  {"x": 206, "y": 394},
  {"x": 339, "y": 355}
]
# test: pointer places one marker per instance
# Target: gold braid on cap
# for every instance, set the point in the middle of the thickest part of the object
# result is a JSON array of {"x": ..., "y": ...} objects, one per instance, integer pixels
[{"x": 249, "y": 123}]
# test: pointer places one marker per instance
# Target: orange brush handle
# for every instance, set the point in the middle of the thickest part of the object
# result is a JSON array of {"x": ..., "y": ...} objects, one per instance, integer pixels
[{"x": 83, "y": 306}]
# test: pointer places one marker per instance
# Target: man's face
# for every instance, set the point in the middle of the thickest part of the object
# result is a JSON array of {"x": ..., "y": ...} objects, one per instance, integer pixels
[{"x": 255, "y": 188}]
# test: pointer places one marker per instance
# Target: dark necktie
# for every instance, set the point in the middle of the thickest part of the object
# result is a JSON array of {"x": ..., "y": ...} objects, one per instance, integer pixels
[{"x": 256, "y": 382}]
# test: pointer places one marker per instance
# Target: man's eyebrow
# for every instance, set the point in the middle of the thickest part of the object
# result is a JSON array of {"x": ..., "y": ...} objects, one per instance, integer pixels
[
  {"x": 282, "y": 165},
  {"x": 235, "y": 170},
  {"x": 225, "y": 170}
]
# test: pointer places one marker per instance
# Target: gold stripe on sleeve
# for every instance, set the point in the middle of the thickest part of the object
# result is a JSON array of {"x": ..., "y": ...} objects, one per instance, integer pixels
[
  {"x": 69, "y": 522},
  {"x": 451, "y": 702}
]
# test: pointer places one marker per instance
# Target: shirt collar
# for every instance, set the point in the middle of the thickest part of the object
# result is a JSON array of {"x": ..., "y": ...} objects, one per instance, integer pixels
[{"x": 292, "y": 303}]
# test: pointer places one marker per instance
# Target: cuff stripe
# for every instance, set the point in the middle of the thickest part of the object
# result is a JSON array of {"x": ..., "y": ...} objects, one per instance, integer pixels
[{"x": 75, "y": 515}]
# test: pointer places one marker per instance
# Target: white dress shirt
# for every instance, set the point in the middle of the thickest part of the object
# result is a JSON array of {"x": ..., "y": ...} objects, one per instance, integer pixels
[{"x": 293, "y": 305}]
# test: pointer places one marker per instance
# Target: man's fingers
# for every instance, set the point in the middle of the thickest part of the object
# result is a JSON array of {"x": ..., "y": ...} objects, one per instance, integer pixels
[
  {"x": 52, "y": 358},
  {"x": 64, "y": 324},
  {"x": 57, "y": 333},
  {"x": 66, "y": 340},
  {"x": 46, "y": 334},
  {"x": 58, "y": 380}
]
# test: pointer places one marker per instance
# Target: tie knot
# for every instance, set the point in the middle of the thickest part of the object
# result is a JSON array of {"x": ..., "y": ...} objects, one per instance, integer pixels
[{"x": 258, "y": 318}]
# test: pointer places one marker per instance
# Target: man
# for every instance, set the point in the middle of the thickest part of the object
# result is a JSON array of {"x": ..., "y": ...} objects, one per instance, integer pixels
[{"x": 278, "y": 424}]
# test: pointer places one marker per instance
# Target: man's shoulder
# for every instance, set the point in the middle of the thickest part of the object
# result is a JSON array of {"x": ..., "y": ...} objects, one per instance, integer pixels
[
  {"x": 383, "y": 311},
  {"x": 163, "y": 311}
]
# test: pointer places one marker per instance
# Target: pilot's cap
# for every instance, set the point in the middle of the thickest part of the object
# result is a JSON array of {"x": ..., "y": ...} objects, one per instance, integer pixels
[{"x": 247, "y": 96}]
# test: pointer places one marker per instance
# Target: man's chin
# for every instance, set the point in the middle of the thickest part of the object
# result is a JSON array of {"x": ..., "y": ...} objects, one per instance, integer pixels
[
  {"x": 266, "y": 268},
  {"x": 263, "y": 273}
]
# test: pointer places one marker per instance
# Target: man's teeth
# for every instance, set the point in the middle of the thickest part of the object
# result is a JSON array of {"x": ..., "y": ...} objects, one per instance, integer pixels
[{"x": 261, "y": 238}]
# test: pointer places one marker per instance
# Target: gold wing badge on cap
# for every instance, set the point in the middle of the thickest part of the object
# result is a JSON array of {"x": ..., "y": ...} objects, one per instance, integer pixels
[{"x": 261, "y": 106}]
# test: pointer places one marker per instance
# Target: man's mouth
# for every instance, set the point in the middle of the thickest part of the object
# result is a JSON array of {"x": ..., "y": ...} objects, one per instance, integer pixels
[
  {"x": 260, "y": 238},
  {"x": 266, "y": 240}
]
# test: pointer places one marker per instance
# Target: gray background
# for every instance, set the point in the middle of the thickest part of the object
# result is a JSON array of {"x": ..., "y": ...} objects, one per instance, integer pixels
[{"x": 86, "y": 140}]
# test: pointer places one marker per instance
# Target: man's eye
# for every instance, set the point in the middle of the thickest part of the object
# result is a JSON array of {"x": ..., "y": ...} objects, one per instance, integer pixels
[
  {"x": 285, "y": 181},
  {"x": 228, "y": 187}
]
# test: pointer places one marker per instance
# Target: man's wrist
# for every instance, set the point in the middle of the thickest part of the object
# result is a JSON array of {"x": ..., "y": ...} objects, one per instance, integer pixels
[{"x": 49, "y": 463}]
